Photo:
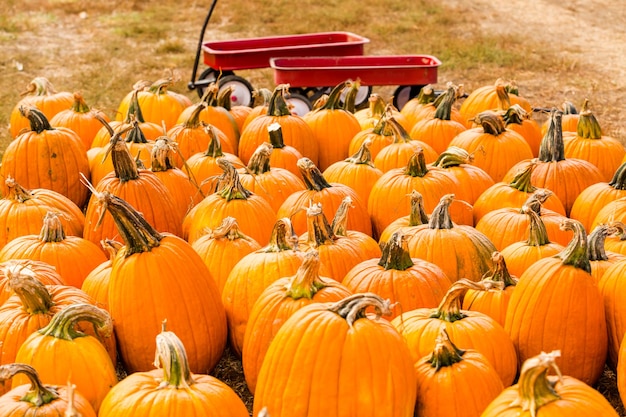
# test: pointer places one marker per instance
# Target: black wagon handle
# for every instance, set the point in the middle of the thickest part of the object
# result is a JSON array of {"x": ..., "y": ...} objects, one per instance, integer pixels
[{"x": 194, "y": 72}]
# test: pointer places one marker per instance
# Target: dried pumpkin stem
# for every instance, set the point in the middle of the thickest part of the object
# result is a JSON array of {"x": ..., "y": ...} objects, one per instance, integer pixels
[
  {"x": 416, "y": 166},
  {"x": 440, "y": 217},
  {"x": 552, "y": 148},
  {"x": 575, "y": 253},
  {"x": 259, "y": 162},
  {"x": 538, "y": 234},
  {"x": 63, "y": 324},
  {"x": 535, "y": 388},
  {"x": 313, "y": 177},
  {"x": 306, "y": 282},
  {"x": 172, "y": 358},
  {"x": 52, "y": 229},
  {"x": 445, "y": 352},
  {"x": 363, "y": 155},
  {"x": 417, "y": 215},
  {"x": 353, "y": 307},
  {"x": 282, "y": 238},
  {"x": 450, "y": 307},
  {"x": 39, "y": 394},
  {"x": 522, "y": 180},
  {"x": 230, "y": 186},
  {"x": 319, "y": 231},
  {"x": 395, "y": 253},
  {"x": 595, "y": 242},
  {"x": 36, "y": 118},
  {"x": 340, "y": 221},
  {"x": 500, "y": 272},
  {"x": 34, "y": 296}
]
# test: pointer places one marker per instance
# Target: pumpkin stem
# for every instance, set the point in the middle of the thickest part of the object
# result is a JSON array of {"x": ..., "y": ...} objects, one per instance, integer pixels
[
  {"x": 172, "y": 357},
  {"x": 134, "y": 109},
  {"x": 445, "y": 352},
  {"x": 444, "y": 107},
  {"x": 283, "y": 237},
  {"x": 515, "y": 115},
  {"x": 319, "y": 231},
  {"x": 536, "y": 200},
  {"x": 440, "y": 217},
  {"x": 34, "y": 295},
  {"x": 535, "y": 388},
  {"x": 161, "y": 155},
  {"x": 522, "y": 180},
  {"x": 453, "y": 157},
  {"x": 194, "y": 121},
  {"x": 71, "y": 411},
  {"x": 450, "y": 307},
  {"x": 139, "y": 236},
  {"x": 395, "y": 253},
  {"x": 537, "y": 234},
  {"x": 353, "y": 307},
  {"x": 306, "y": 282},
  {"x": 620, "y": 229},
  {"x": 588, "y": 126},
  {"x": 491, "y": 122},
  {"x": 39, "y": 86},
  {"x": 418, "y": 215},
  {"x": 229, "y": 186},
  {"x": 228, "y": 229},
  {"x": 340, "y": 221},
  {"x": 416, "y": 166},
  {"x": 124, "y": 165},
  {"x": 618, "y": 181},
  {"x": 36, "y": 118},
  {"x": 595, "y": 242},
  {"x": 39, "y": 394},
  {"x": 313, "y": 177},
  {"x": 552, "y": 148},
  {"x": 350, "y": 100},
  {"x": 223, "y": 98},
  {"x": 502, "y": 92},
  {"x": 334, "y": 98},
  {"x": 400, "y": 135},
  {"x": 111, "y": 247},
  {"x": 575, "y": 253},
  {"x": 52, "y": 229},
  {"x": 259, "y": 162},
  {"x": 275, "y": 132},
  {"x": 79, "y": 105},
  {"x": 16, "y": 191},
  {"x": 363, "y": 155},
  {"x": 500, "y": 272},
  {"x": 63, "y": 324},
  {"x": 278, "y": 105}
]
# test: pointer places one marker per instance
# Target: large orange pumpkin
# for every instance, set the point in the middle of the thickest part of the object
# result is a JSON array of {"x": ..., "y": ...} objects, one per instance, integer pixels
[
  {"x": 498, "y": 96},
  {"x": 519, "y": 120},
  {"x": 360, "y": 364},
  {"x": 539, "y": 317},
  {"x": 81, "y": 119}
]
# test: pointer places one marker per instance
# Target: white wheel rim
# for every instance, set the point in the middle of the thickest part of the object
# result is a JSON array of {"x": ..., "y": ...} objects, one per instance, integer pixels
[{"x": 240, "y": 95}]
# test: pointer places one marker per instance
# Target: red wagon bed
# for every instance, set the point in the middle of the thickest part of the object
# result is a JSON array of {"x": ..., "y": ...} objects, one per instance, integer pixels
[{"x": 249, "y": 53}]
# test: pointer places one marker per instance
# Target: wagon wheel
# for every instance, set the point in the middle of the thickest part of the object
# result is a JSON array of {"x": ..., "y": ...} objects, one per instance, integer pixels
[
  {"x": 207, "y": 77},
  {"x": 299, "y": 103},
  {"x": 404, "y": 93},
  {"x": 241, "y": 90}
]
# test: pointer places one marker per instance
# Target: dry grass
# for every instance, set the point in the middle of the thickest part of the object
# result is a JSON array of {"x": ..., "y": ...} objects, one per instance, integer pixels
[{"x": 103, "y": 48}]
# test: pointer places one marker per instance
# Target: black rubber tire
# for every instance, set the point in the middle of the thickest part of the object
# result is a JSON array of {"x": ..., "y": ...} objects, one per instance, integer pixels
[{"x": 242, "y": 90}]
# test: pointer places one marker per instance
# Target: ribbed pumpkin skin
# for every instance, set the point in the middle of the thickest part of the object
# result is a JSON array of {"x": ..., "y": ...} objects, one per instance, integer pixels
[
  {"x": 530, "y": 130},
  {"x": 437, "y": 133},
  {"x": 516, "y": 225},
  {"x": 139, "y": 395},
  {"x": 147, "y": 194},
  {"x": 519, "y": 256},
  {"x": 576, "y": 397},
  {"x": 270, "y": 311},
  {"x": 275, "y": 185},
  {"x": 606, "y": 153},
  {"x": 591, "y": 200},
  {"x": 169, "y": 282},
  {"x": 423, "y": 285},
  {"x": 42, "y": 271},
  {"x": 185, "y": 194},
  {"x": 80, "y": 119},
  {"x": 612, "y": 211},
  {"x": 489, "y": 97},
  {"x": 541, "y": 318},
  {"x": 73, "y": 257},
  {"x": 96, "y": 284},
  {"x": 330, "y": 198},
  {"x": 12, "y": 405},
  {"x": 364, "y": 370},
  {"x": 612, "y": 288},
  {"x": 52, "y": 159},
  {"x": 218, "y": 117},
  {"x": 360, "y": 177},
  {"x": 444, "y": 392},
  {"x": 158, "y": 106},
  {"x": 474, "y": 331},
  {"x": 193, "y": 140}
]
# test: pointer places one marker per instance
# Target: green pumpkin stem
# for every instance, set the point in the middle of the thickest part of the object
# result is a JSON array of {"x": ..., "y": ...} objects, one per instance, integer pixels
[
  {"x": 52, "y": 229},
  {"x": 450, "y": 307},
  {"x": 618, "y": 181},
  {"x": 319, "y": 231},
  {"x": 500, "y": 272},
  {"x": 134, "y": 109},
  {"x": 313, "y": 177},
  {"x": 275, "y": 132},
  {"x": 306, "y": 282},
  {"x": 36, "y": 118},
  {"x": 575, "y": 253},
  {"x": 79, "y": 105},
  {"x": 259, "y": 162},
  {"x": 416, "y": 166},
  {"x": 354, "y": 307},
  {"x": 491, "y": 122},
  {"x": 445, "y": 352},
  {"x": 138, "y": 235},
  {"x": 588, "y": 126},
  {"x": 515, "y": 115},
  {"x": 172, "y": 358},
  {"x": 334, "y": 98},
  {"x": 522, "y": 180},
  {"x": 395, "y": 253},
  {"x": 552, "y": 148},
  {"x": 278, "y": 105},
  {"x": 444, "y": 107},
  {"x": 229, "y": 186},
  {"x": 440, "y": 217},
  {"x": 418, "y": 215},
  {"x": 283, "y": 237},
  {"x": 63, "y": 324},
  {"x": 160, "y": 86},
  {"x": 39, "y": 394},
  {"x": 453, "y": 157},
  {"x": 363, "y": 156},
  {"x": 595, "y": 242},
  {"x": 534, "y": 386},
  {"x": 34, "y": 295},
  {"x": 537, "y": 234},
  {"x": 350, "y": 100}
]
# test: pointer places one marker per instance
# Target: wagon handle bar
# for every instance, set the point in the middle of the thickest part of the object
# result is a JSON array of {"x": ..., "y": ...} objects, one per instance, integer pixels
[{"x": 194, "y": 72}]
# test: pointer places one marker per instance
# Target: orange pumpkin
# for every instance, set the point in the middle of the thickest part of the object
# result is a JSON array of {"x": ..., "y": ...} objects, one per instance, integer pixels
[
  {"x": 333, "y": 127},
  {"x": 539, "y": 394},
  {"x": 353, "y": 347},
  {"x": 599, "y": 258},
  {"x": 498, "y": 96},
  {"x": 519, "y": 120},
  {"x": 180, "y": 288},
  {"x": 379, "y": 136},
  {"x": 61, "y": 353},
  {"x": 439, "y": 130},
  {"x": 173, "y": 389},
  {"x": 539, "y": 319},
  {"x": 41, "y": 271},
  {"x": 47, "y": 157},
  {"x": 283, "y": 156},
  {"x": 96, "y": 283},
  {"x": 612, "y": 288},
  {"x": 408, "y": 283},
  {"x": 72, "y": 256},
  {"x": 377, "y": 108},
  {"x": 39, "y": 93},
  {"x": 446, "y": 374},
  {"x": 42, "y": 400},
  {"x": 81, "y": 119},
  {"x": 279, "y": 301},
  {"x": 412, "y": 109}
]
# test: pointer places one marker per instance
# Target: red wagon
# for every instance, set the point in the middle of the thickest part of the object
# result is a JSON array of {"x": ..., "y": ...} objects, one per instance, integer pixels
[{"x": 311, "y": 64}]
